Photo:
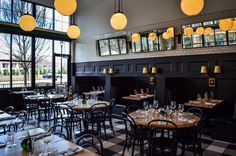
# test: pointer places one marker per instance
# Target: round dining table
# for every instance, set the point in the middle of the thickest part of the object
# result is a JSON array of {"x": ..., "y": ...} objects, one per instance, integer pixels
[
  {"x": 42, "y": 96},
  {"x": 182, "y": 120}
]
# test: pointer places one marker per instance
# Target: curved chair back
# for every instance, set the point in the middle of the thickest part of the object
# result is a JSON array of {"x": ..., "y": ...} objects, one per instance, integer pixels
[
  {"x": 98, "y": 112},
  {"x": 9, "y": 110},
  {"x": 130, "y": 126},
  {"x": 132, "y": 108},
  {"x": 92, "y": 141},
  {"x": 60, "y": 131},
  {"x": 196, "y": 111}
]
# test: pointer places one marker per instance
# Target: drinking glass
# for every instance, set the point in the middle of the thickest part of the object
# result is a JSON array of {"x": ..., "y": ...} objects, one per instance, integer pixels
[
  {"x": 145, "y": 105},
  {"x": 181, "y": 108},
  {"x": 93, "y": 88},
  {"x": 155, "y": 104},
  {"x": 48, "y": 138},
  {"x": 141, "y": 91},
  {"x": 135, "y": 92},
  {"x": 10, "y": 139},
  {"x": 102, "y": 88},
  {"x": 98, "y": 88},
  {"x": 173, "y": 105},
  {"x": 147, "y": 90}
]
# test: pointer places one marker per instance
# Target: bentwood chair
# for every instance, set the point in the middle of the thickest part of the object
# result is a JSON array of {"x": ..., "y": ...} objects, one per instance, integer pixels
[
  {"x": 162, "y": 137},
  {"x": 31, "y": 107},
  {"x": 109, "y": 114},
  {"x": 9, "y": 110},
  {"x": 60, "y": 131},
  {"x": 134, "y": 134},
  {"x": 45, "y": 109},
  {"x": 97, "y": 117},
  {"x": 190, "y": 138},
  {"x": 90, "y": 140}
]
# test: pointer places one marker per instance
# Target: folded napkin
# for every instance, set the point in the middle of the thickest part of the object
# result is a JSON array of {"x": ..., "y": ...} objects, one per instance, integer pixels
[
  {"x": 185, "y": 119},
  {"x": 71, "y": 151}
]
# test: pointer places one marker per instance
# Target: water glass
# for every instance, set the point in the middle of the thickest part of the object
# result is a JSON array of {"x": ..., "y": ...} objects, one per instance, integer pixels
[
  {"x": 145, "y": 105},
  {"x": 135, "y": 92},
  {"x": 181, "y": 108},
  {"x": 48, "y": 138},
  {"x": 141, "y": 91},
  {"x": 10, "y": 140},
  {"x": 155, "y": 104},
  {"x": 173, "y": 105}
]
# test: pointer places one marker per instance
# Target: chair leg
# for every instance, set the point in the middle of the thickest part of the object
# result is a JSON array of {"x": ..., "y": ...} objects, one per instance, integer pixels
[
  {"x": 133, "y": 147},
  {"x": 104, "y": 127},
  {"x": 126, "y": 139},
  {"x": 111, "y": 125},
  {"x": 183, "y": 150}
]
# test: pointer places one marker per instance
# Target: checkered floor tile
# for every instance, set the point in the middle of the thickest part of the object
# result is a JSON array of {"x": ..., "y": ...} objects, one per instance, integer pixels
[{"x": 114, "y": 145}]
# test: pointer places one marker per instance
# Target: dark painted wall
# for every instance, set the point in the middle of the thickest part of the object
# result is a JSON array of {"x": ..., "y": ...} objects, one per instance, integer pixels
[{"x": 180, "y": 75}]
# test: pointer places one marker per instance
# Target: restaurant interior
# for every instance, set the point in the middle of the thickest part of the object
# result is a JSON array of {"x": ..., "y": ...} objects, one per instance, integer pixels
[{"x": 117, "y": 77}]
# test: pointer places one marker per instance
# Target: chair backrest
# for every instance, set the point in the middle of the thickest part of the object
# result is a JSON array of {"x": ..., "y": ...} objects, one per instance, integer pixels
[
  {"x": 98, "y": 111},
  {"x": 91, "y": 141},
  {"x": 112, "y": 105},
  {"x": 196, "y": 111},
  {"x": 64, "y": 109},
  {"x": 22, "y": 113},
  {"x": 166, "y": 128},
  {"x": 43, "y": 101},
  {"x": 129, "y": 122},
  {"x": 132, "y": 108},
  {"x": 59, "y": 130},
  {"x": 9, "y": 110}
]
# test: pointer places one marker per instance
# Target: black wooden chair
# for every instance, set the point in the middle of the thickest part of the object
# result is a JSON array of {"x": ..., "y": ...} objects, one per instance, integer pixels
[
  {"x": 45, "y": 109},
  {"x": 90, "y": 140},
  {"x": 21, "y": 118},
  {"x": 190, "y": 138},
  {"x": 134, "y": 134},
  {"x": 9, "y": 110},
  {"x": 60, "y": 131},
  {"x": 97, "y": 117},
  {"x": 109, "y": 114},
  {"x": 31, "y": 108},
  {"x": 162, "y": 137}
]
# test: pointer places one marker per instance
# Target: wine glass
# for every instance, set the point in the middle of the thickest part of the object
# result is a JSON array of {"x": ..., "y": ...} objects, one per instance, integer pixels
[
  {"x": 145, "y": 105},
  {"x": 141, "y": 91},
  {"x": 181, "y": 108},
  {"x": 173, "y": 105},
  {"x": 48, "y": 138},
  {"x": 147, "y": 90},
  {"x": 135, "y": 92},
  {"x": 93, "y": 88},
  {"x": 155, "y": 104}
]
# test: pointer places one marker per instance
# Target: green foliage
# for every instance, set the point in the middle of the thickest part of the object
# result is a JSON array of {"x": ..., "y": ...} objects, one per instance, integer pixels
[{"x": 6, "y": 72}]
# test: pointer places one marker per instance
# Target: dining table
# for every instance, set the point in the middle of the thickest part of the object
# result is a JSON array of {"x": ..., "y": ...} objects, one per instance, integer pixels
[
  {"x": 202, "y": 103},
  {"x": 62, "y": 146},
  {"x": 5, "y": 116},
  {"x": 43, "y": 96},
  {"x": 182, "y": 120}
]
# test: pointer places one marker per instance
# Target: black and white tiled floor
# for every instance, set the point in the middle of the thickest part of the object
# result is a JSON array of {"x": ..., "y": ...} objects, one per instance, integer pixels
[{"x": 114, "y": 145}]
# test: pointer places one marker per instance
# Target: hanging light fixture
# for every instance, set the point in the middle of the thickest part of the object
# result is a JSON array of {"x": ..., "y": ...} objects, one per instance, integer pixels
[
  {"x": 165, "y": 35},
  {"x": 188, "y": 31},
  {"x": 234, "y": 26},
  {"x": 27, "y": 22},
  {"x": 226, "y": 24},
  {"x": 200, "y": 31},
  {"x": 170, "y": 32},
  {"x": 118, "y": 19},
  {"x": 65, "y": 7},
  {"x": 208, "y": 31},
  {"x": 152, "y": 36},
  {"x": 192, "y": 7},
  {"x": 136, "y": 37},
  {"x": 73, "y": 31}
]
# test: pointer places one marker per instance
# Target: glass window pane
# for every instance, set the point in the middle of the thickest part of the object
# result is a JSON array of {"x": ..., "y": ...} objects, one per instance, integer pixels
[
  {"x": 136, "y": 47},
  {"x": 21, "y": 48},
  {"x": 4, "y": 74},
  {"x": 104, "y": 47},
  {"x": 5, "y": 46},
  {"x": 209, "y": 40},
  {"x": 5, "y": 11},
  {"x": 44, "y": 17},
  {"x": 61, "y": 47},
  {"x": 122, "y": 43},
  {"x": 21, "y": 74},
  {"x": 19, "y": 8},
  {"x": 197, "y": 40},
  {"x": 220, "y": 37},
  {"x": 144, "y": 44},
  {"x": 61, "y": 22},
  {"x": 232, "y": 37},
  {"x": 187, "y": 42},
  {"x": 166, "y": 44},
  {"x": 61, "y": 70},
  {"x": 114, "y": 46},
  {"x": 43, "y": 62}
]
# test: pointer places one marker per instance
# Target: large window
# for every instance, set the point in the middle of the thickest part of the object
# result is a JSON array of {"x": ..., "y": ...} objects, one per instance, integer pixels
[{"x": 33, "y": 60}]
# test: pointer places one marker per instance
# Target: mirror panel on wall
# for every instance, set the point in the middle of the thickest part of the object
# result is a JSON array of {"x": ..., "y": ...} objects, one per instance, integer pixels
[
  {"x": 112, "y": 46},
  {"x": 207, "y": 34},
  {"x": 151, "y": 41}
]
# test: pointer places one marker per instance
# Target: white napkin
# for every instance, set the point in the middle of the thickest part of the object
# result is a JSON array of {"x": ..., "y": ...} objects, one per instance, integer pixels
[{"x": 185, "y": 119}]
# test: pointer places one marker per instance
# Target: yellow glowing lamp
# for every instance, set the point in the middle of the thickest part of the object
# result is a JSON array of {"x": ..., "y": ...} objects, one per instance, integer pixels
[
  {"x": 65, "y": 7},
  {"x": 217, "y": 69},
  {"x": 27, "y": 22},
  {"x": 165, "y": 35},
  {"x": 188, "y": 31},
  {"x": 136, "y": 37},
  {"x": 118, "y": 21},
  {"x": 73, "y": 31},
  {"x": 204, "y": 70},
  {"x": 192, "y": 7},
  {"x": 170, "y": 32},
  {"x": 226, "y": 24},
  {"x": 200, "y": 31},
  {"x": 145, "y": 70},
  {"x": 152, "y": 36},
  {"x": 234, "y": 26},
  {"x": 208, "y": 31}
]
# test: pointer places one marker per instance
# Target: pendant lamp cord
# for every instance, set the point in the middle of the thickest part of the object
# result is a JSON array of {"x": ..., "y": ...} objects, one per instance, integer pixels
[{"x": 118, "y": 6}]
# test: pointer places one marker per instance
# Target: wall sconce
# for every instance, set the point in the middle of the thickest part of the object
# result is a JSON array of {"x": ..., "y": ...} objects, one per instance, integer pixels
[
  {"x": 108, "y": 72},
  {"x": 211, "y": 80},
  {"x": 151, "y": 75}
]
